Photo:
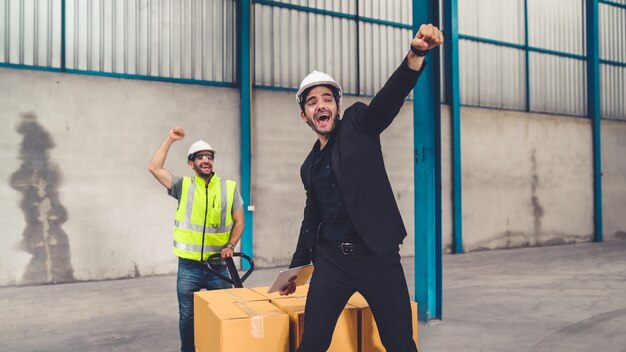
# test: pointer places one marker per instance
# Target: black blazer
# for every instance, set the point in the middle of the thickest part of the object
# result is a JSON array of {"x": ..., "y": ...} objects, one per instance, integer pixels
[{"x": 357, "y": 163}]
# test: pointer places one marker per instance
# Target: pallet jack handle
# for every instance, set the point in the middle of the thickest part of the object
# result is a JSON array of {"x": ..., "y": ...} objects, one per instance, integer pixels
[{"x": 214, "y": 262}]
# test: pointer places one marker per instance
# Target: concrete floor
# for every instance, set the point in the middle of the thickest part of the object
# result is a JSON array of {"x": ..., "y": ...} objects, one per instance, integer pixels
[{"x": 560, "y": 298}]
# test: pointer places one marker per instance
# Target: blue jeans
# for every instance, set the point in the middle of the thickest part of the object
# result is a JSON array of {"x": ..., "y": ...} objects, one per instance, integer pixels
[{"x": 192, "y": 277}]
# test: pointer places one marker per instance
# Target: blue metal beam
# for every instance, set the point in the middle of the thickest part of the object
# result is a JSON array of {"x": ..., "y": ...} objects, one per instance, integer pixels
[
  {"x": 613, "y": 3},
  {"x": 453, "y": 95},
  {"x": 613, "y": 63},
  {"x": 593, "y": 109},
  {"x": 427, "y": 175},
  {"x": 245, "y": 85},
  {"x": 119, "y": 75},
  {"x": 526, "y": 58},
  {"x": 357, "y": 64},
  {"x": 63, "y": 14},
  {"x": 521, "y": 46}
]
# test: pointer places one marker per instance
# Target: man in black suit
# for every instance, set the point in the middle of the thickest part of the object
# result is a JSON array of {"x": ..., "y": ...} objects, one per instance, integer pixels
[{"x": 352, "y": 227}]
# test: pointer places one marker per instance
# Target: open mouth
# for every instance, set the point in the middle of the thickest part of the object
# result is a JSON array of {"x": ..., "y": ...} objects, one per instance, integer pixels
[{"x": 323, "y": 119}]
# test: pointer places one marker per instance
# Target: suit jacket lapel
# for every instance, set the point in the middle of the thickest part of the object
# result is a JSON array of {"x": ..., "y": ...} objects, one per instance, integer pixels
[
  {"x": 306, "y": 170},
  {"x": 335, "y": 155}
]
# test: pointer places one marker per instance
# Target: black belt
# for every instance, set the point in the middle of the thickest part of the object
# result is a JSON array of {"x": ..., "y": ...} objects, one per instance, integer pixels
[{"x": 347, "y": 248}]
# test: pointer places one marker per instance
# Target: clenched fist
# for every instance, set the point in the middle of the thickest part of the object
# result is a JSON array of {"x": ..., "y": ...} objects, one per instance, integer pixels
[
  {"x": 427, "y": 37},
  {"x": 177, "y": 133}
]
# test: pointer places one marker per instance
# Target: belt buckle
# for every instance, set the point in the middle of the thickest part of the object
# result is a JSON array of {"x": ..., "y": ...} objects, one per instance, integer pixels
[{"x": 347, "y": 248}]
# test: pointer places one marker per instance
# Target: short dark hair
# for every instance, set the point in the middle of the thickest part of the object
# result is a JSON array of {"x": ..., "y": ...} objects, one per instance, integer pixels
[{"x": 304, "y": 94}]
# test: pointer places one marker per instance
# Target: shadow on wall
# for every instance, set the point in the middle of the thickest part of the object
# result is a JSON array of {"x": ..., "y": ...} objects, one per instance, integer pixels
[{"x": 38, "y": 180}]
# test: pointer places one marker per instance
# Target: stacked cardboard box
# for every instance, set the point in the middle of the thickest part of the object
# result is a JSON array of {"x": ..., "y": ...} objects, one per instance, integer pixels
[
  {"x": 369, "y": 339},
  {"x": 239, "y": 319},
  {"x": 230, "y": 295},
  {"x": 344, "y": 337},
  {"x": 242, "y": 319}
]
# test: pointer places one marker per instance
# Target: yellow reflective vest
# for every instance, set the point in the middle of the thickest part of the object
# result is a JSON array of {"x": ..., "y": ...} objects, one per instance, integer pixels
[{"x": 204, "y": 214}]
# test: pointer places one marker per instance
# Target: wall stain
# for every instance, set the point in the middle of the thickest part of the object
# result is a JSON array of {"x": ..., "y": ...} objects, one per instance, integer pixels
[
  {"x": 534, "y": 200},
  {"x": 38, "y": 180},
  {"x": 519, "y": 239},
  {"x": 620, "y": 235},
  {"x": 136, "y": 272}
]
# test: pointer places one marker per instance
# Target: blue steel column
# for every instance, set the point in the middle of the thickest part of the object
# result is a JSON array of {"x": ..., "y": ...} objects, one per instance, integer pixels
[
  {"x": 426, "y": 133},
  {"x": 245, "y": 85},
  {"x": 526, "y": 58},
  {"x": 453, "y": 95},
  {"x": 593, "y": 109},
  {"x": 63, "y": 35}
]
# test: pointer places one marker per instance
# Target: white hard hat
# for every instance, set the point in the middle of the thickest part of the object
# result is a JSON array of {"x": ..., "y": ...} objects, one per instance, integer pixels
[
  {"x": 198, "y": 146},
  {"x": 317, "y": 78}
]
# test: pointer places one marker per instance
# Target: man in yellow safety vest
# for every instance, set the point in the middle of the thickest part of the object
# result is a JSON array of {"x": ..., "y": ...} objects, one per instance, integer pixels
[{"x": 209, "y": 219}]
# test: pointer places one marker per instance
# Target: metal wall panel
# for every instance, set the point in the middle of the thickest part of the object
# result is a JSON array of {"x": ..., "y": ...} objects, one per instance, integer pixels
[
  {"x": 491, "y": 75},
  {"x": 30, "y": 32},
  {"x": 382, "y": 48},
  {"x": 557, "y": 84},
  {"x": 289, "y": 44},
  {"x": 612, "y": 33},
  {"x": 399, "y": 11},
  {"x": 557, "y": 25},
  {"x": 613, "y": 48},
  {"x": 613, "y": 92},
  {"x": 189, "y": 39},
  {"x": 493, "y": 19}
]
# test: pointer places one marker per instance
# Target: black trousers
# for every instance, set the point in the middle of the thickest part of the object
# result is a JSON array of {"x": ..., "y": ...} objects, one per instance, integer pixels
[{"x": 378, "y": 277}]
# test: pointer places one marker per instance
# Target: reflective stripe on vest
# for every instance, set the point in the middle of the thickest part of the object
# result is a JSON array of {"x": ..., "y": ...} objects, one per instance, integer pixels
[
  {"x": 198, "y": 206},
  {"x": 192, "y": 248}
]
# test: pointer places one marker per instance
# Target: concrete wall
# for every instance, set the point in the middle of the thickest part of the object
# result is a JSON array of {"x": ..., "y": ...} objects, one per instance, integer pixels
[
  {"x": 83, "y": 178},
  {"x": 614, "y": 179},
  {"x": 527, "y": 179}
]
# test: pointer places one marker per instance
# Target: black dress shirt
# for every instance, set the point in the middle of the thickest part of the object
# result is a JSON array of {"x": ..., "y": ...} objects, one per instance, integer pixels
[{"x": 336, "y": 224}]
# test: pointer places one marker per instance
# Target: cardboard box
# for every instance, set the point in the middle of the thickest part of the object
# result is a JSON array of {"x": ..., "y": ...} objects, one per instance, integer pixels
[
  {"x": 344, "y": 337},
  {"x": 369, "y": 339},
  {"x": 230, "y": 295},
  {"x": 301, "y": 291},
  {"x": 241, "y": 326}
]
